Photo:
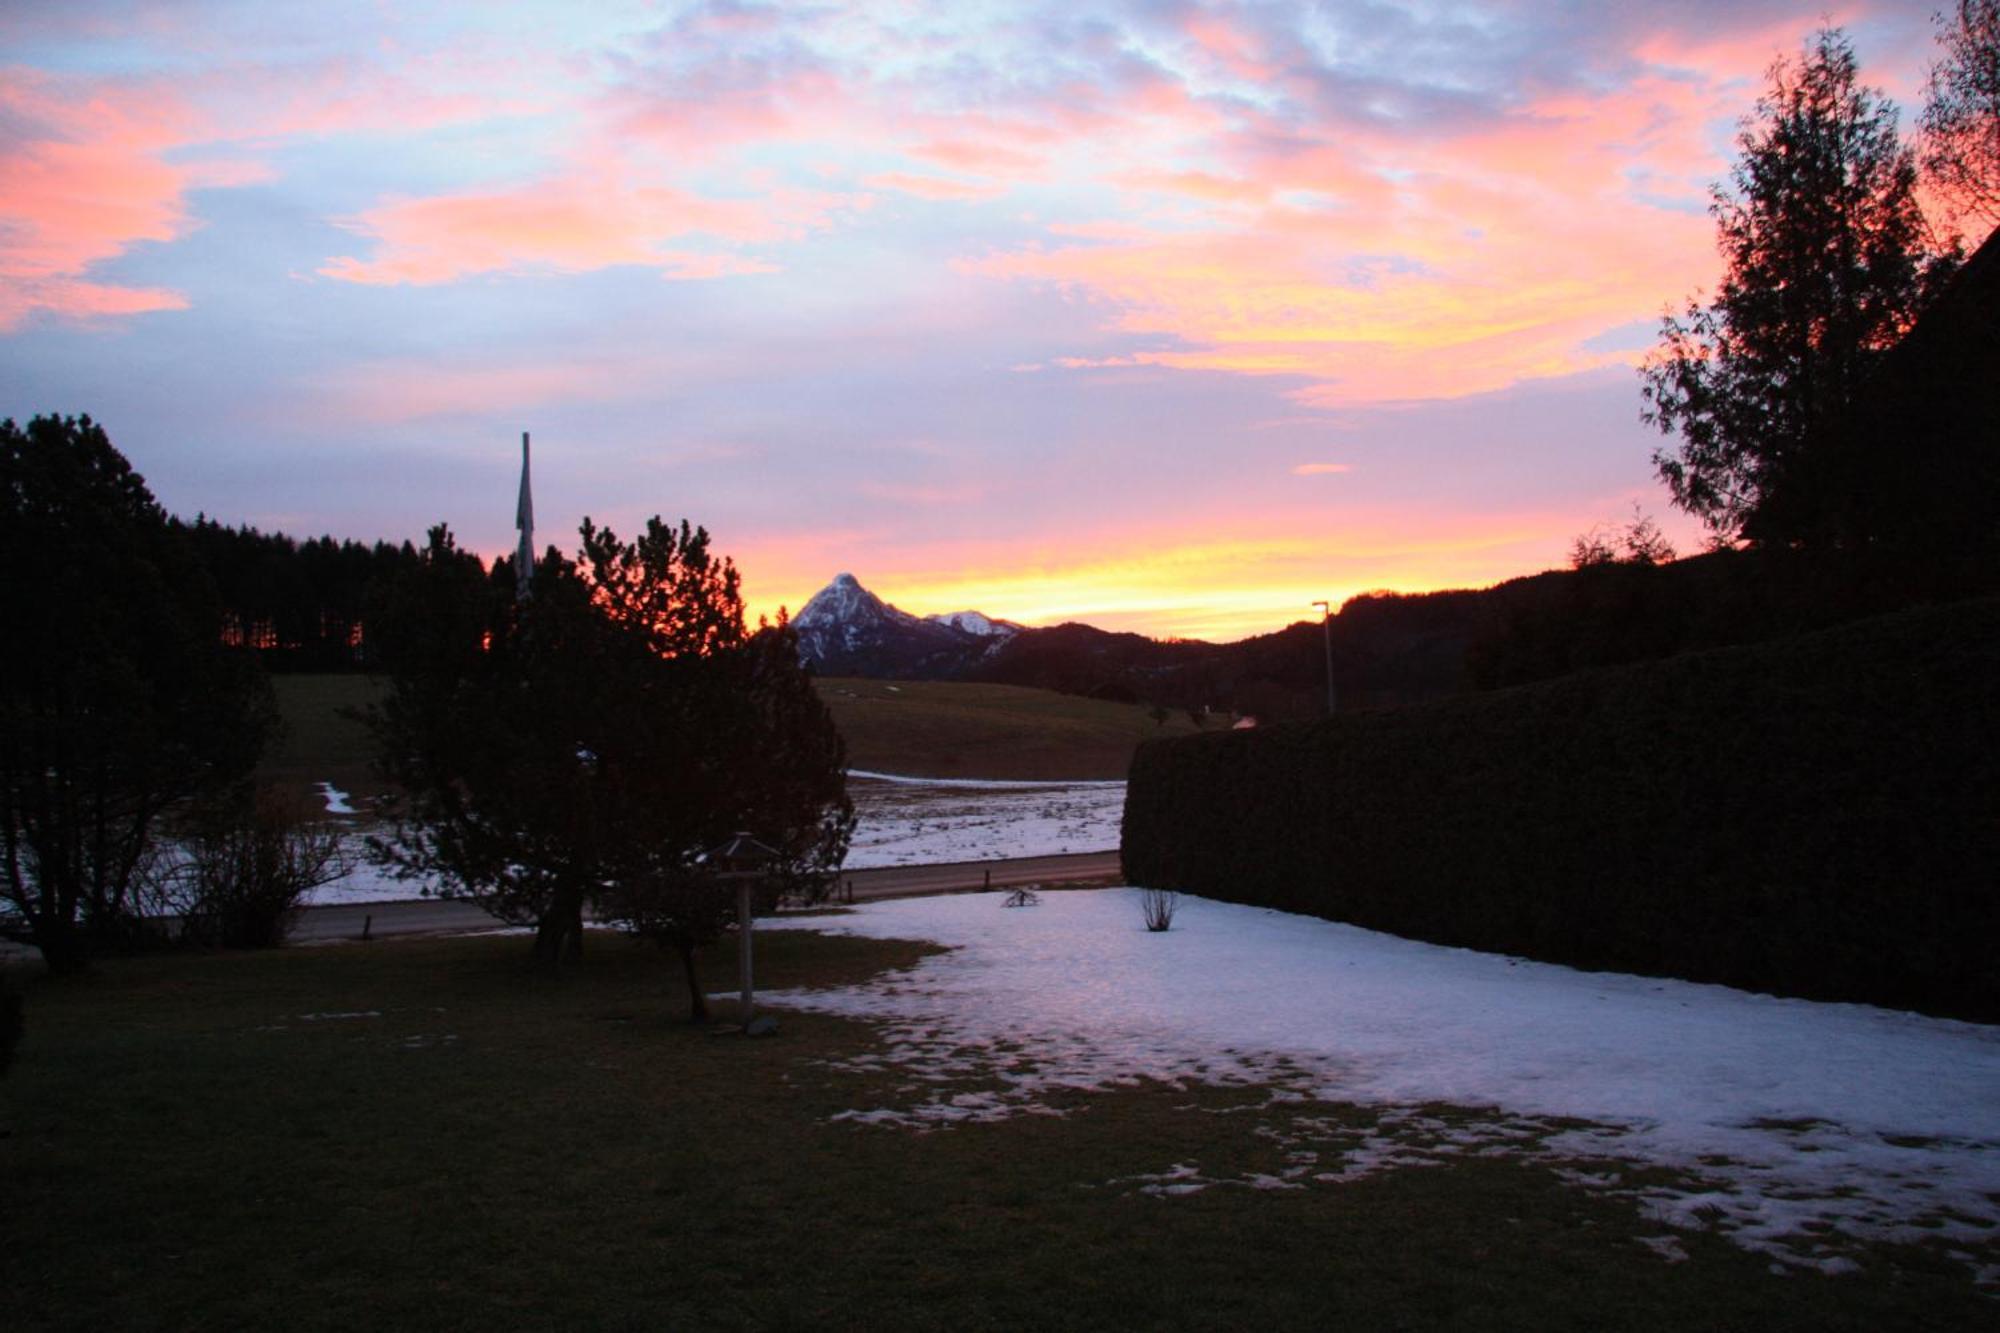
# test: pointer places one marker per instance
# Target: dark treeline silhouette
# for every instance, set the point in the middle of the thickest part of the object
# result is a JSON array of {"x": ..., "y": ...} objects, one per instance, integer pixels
[
  {"x": 301, "y": 605},
  {"x": 1389, "y": 649}
]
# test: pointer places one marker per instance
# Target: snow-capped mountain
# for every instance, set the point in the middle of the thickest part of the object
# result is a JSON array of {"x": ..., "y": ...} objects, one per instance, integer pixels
[
  {"x": 972, "y": 622},
  {"x": 846, "y": 630}
]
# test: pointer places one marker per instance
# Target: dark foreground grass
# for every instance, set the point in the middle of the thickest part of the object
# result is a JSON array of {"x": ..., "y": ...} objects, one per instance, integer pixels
[{"x": 209, "y": 1142}]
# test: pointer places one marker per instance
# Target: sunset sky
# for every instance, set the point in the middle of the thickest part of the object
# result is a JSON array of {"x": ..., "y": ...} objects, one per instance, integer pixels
[{"x": 1168, "y": 317}]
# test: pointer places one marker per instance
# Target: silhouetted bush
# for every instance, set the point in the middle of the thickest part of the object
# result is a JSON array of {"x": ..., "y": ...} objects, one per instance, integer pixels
[
  {"x": 245, "y": 868},
  {"x": 1815, "y": 816}
]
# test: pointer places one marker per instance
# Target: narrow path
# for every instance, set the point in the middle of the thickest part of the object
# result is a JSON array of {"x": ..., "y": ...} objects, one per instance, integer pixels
[{"x": 346, "y": 921}]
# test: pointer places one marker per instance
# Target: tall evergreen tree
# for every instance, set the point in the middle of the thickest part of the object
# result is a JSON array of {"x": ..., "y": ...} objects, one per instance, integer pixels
[
  {"x": 1825, "y": 266},
  {"x": 118, "y": 701}
]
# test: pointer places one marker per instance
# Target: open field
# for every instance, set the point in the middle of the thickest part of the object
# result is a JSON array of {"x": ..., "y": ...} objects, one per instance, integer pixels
[
  {"x": 426, "y": 1134},
  {"x": 952, "y": 729},
  {"x": 318, "y": 743},
  {"x": 944, "y": 729}
]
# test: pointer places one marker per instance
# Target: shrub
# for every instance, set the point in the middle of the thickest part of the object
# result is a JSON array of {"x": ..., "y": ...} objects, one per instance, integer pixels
[
  {"x": 1158, "y": 906},
  {"x": 1817, "y": 816},
  {"x": 246, "y": 867}
]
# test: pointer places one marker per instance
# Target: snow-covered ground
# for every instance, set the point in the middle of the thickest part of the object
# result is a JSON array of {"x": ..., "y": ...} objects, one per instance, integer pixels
[
  {"x": 364, "y": 881},
  {"x": 1799, "y": 1124},
  {"x": 923, "y": 821},
  {"x": 902, "y": 821}
]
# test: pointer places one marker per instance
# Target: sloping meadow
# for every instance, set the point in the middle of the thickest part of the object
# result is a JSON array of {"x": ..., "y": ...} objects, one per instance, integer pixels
[{"x": 1817, "y": 817}]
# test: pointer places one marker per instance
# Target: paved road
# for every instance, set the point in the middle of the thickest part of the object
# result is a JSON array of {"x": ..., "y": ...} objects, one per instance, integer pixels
[
  {"x": 429, "y": 917},
  {"x": 967, "y": 876}
]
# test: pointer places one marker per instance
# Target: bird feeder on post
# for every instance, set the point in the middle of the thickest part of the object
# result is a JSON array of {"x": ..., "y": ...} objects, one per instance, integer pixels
[{"x": 742, "y": 860}]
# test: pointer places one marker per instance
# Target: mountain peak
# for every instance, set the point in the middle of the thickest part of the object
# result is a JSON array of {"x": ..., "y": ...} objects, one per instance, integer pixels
[
  {"x": 844, "y": 602},
  {"x": 846, "y": 629}
]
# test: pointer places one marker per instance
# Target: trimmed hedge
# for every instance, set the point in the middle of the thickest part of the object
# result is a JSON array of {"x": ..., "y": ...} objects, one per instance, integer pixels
[{"x": 1817, "y": 816}]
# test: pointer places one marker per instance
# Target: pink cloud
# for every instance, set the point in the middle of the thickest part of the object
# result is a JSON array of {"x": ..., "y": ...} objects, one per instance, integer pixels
[
  {"x": 574, "y": 224},
  {"x": 1724, "y": 53},
  {"x": 84, "y": 301},
  {"x": 980, "y": 157},
  {"x": 1231, "y": 48},
  {"x": 86, "y": 180}
]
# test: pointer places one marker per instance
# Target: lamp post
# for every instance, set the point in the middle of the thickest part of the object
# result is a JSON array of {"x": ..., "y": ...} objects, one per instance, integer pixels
[
  {"x": 1326, "y": 632},
  {"x": 742, "y": 859}
]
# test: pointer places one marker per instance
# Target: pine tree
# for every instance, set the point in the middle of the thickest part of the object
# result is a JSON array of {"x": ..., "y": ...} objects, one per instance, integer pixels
[
  {"x": 590, "y": 744},
  {"x": 118, "y": 702}
]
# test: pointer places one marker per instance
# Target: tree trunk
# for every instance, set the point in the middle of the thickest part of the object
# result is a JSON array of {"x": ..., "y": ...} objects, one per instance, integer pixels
[
  {"x": 549, "y": 931},
  {"x": 697, "y": 1002},
  {"x": 559, "y": 931}
]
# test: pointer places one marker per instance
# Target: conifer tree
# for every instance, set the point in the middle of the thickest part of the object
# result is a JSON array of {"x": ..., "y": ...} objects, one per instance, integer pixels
[
  {"x": 1825, "y": 266},
  {"x": 119, "y": 704}
]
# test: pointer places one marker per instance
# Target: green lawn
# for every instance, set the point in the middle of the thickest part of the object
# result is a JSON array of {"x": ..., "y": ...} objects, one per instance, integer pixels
[{"x": 207, "y": 1141}]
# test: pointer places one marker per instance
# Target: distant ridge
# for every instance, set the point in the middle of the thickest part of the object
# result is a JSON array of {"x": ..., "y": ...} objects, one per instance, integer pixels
[
  {"x": 846, "y": 630},
  {"x": 1388, "y": 649}
]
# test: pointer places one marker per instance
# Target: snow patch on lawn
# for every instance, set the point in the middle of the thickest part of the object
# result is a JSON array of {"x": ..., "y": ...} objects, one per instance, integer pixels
[{"x": 1795, "y": 1127}]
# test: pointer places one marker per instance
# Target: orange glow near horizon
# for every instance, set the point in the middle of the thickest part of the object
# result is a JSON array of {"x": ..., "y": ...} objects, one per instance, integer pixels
[{"x": 1219, "y": 591}]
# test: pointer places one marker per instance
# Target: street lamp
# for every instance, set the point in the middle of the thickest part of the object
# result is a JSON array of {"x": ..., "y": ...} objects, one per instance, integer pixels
[
  {"x": 1326, "y": 632},
  {"x": 742, "y": 859}
]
